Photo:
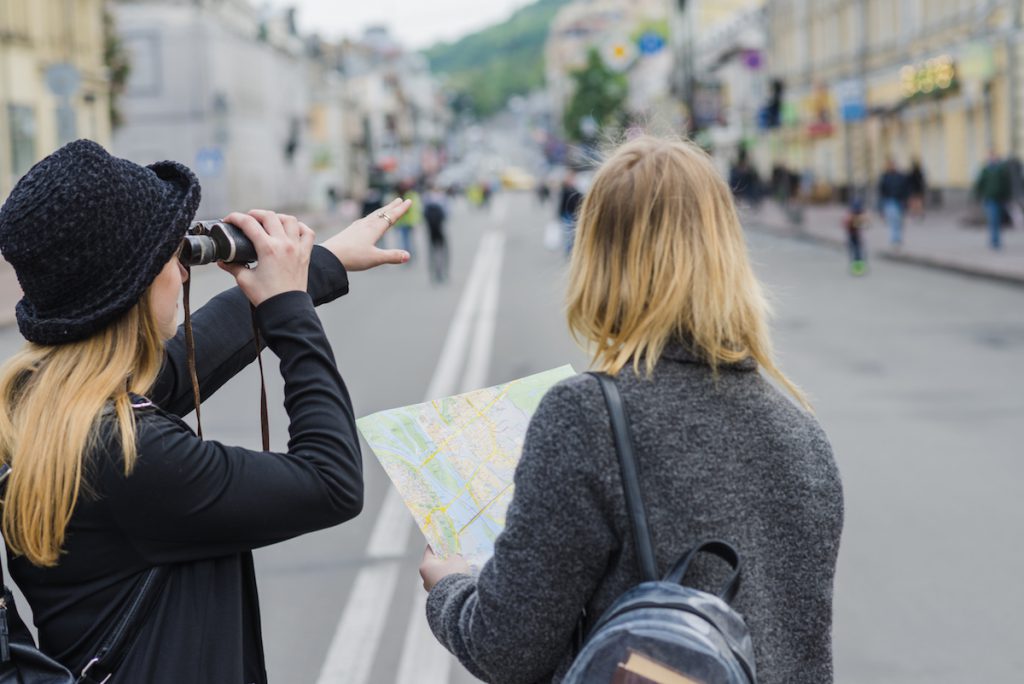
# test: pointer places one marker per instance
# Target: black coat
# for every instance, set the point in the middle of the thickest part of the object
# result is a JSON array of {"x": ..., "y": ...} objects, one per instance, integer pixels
[{"x": 201, "y": 506}]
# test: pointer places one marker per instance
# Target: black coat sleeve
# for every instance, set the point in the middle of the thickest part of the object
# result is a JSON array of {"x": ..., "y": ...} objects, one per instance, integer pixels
[
  {"x": 188, "y": 498},
  {"x": 224, "y": 337}
]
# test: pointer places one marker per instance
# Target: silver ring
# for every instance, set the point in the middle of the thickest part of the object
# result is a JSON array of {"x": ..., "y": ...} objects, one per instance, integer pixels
[{"x": 384, "y": 215}]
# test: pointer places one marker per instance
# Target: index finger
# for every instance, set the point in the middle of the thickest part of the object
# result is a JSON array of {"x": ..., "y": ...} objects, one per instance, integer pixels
[
  {"x": 397, "y": 208},
  {"x": 252, "y": 228},
  {"x": 270, "y": 220}
]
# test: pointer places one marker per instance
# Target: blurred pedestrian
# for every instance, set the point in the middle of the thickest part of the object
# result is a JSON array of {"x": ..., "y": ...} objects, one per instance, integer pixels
[
  {"x": 662, "y": 290},
  {"x": 855, "y": 222},
  {"x": 475, "y": 195},
  {"x": 568, "y": 206},
  {"x": 916, "y": 189},
  {"x": 744, "y": 181},
  {"x": 404, "y": 225},
  {"x": 372, "y": 198},
  {"x": 892, "y": 201},
  {"x": 435, "y": 213},
  {"x": 992, "y": 188},
  {"x": 543, "y": 191},
  {"x": 112, "y": 504}
]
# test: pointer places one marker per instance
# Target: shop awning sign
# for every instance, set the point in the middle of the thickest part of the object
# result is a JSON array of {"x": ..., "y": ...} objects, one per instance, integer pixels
[{"x": 850, "y": 94}]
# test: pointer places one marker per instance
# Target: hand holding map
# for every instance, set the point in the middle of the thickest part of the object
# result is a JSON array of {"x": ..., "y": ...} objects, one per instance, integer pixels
[{"x": 453, "y": 460}]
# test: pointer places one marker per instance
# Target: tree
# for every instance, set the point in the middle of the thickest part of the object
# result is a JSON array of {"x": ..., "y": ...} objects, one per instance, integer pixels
[
  {"x": 115, "y": 57},
  {"x": 600, "y": 96}
]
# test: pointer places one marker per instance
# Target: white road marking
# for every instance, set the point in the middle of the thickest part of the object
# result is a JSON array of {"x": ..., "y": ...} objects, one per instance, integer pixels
[
  {"x": 487, "y": 318},
  {"x": 351, "y": 653},
  {"x": 424, "y": 660},
  {"x": 356, "y": 641}
]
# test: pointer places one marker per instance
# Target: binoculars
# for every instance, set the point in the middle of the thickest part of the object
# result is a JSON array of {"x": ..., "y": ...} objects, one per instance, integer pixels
[{"x": 209, "y": 241}]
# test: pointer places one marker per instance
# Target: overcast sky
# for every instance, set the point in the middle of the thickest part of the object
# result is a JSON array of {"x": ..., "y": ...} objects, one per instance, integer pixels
[{"x": 416, "y": 23}]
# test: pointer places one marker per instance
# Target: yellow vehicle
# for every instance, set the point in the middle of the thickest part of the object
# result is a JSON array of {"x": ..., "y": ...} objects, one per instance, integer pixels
[{"x": 515, "y": 178}]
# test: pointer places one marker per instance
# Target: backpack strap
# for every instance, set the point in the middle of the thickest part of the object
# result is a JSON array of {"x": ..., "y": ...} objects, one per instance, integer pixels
[
  {"x": 630, "y": 481},
  {"x": 719, "y": 548},
  {"x": 125, "y": 629}
]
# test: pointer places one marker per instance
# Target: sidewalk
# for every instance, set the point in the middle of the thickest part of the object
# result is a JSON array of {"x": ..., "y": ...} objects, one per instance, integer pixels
[{"x": 939, "y": 240}]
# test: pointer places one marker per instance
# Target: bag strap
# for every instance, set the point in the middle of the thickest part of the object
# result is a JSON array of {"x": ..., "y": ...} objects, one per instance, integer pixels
[
  {"x": 119, "y": 641},
  {"x": 126, "y": 627},
  {"x": 190, "y": 352},
  {"x": 630, "y": 481},
  {"x": 718, "y": 548}
]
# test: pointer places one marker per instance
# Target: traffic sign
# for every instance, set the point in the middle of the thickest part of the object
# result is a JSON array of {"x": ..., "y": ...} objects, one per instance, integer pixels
[{"x": 650, "y": 43}]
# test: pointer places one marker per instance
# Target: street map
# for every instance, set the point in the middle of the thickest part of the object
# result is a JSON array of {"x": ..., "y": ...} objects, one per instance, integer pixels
[{"x": 453, "y": 459}]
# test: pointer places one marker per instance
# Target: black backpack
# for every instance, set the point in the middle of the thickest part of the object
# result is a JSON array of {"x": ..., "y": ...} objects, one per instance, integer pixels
[
  {"x": 661, "y": 631},
  {"x": 21, "y": 661}
]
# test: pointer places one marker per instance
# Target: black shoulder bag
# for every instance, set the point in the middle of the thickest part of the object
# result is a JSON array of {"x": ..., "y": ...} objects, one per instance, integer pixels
[{"x": 21, "y": 661}]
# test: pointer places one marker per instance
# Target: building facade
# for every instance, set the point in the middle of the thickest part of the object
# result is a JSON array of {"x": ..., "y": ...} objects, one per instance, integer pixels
[
  {"x": 220, "y": 87},
  {"x": 865, "y": 81},
  {"x": 54, "y": 85}
]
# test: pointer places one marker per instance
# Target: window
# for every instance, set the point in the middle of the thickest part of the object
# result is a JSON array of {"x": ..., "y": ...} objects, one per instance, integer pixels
[{"x": 23, "y": 139}]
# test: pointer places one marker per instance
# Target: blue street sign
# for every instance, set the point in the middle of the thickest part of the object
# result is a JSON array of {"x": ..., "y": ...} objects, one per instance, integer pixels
[
  {"x": 852, "y": 106},
  {"x": 210, "y": 162},
  {"x": 650, "y": 43}
]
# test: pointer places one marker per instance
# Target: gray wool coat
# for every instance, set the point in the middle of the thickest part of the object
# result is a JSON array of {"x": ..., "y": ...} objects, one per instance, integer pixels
[{"x": 728, "y": 458}]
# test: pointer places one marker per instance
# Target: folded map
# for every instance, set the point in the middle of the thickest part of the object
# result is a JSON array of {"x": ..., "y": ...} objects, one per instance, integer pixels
[{"x": 453, "y": 460}]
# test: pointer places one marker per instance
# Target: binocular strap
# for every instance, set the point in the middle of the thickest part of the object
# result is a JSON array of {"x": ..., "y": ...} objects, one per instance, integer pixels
[{"x": 190, "y": 351}]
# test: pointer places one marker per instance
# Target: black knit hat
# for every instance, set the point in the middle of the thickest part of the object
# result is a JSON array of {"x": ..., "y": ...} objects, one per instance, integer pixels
[{"x": 87, "y": 233}]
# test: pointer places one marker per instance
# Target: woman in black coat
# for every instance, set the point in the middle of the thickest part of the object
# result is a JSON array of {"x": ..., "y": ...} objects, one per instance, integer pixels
[{"x": 106, "y": 479}]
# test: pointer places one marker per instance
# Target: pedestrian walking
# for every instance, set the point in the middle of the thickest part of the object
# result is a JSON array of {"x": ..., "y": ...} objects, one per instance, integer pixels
[
  {"x": 892, "y": 200},
  {"x": 435, "y": 212},
  {"x": 992, "y": 188},
  {"x": 744, "y": 181},
  {"x": 412, "y": 218},
  {"x": 569, "y": 200},
  {"x": 109, "y": 491},
  {"x": 855, "y": 222},
  {"x": 662, "y": 289},
  {"x": 543, "y": 191},
  {"x": 916, "y": 188}
]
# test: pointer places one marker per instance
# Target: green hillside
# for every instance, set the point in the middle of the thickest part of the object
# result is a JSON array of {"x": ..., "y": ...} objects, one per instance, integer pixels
[{"x": 487, "y": 67}]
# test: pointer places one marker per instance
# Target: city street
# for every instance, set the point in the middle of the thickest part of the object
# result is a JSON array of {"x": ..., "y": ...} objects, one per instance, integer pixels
[
  {"x": 882, "y": 139},
  {"x": 914, "y": 373}
]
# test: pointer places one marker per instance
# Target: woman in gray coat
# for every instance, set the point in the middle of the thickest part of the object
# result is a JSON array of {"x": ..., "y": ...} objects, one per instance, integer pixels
[{"x": 662, "y": 290}]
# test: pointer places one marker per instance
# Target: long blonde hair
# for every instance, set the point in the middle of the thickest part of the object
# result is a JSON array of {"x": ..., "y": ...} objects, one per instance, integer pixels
[
  {"x": 660, "y": 255},
  {"x": 52, "y": 399}
]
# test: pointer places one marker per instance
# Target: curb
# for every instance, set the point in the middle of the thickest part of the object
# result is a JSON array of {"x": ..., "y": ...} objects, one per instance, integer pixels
[{"x": 923, "y": 261}]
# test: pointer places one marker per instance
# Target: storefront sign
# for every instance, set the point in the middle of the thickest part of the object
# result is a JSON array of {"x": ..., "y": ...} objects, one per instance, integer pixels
[
  {"x": 850, "y": 94},
  {"x": 932, "y": 78}
]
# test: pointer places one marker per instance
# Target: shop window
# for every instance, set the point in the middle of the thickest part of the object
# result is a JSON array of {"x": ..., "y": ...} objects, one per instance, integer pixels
[{"x": 23, "y": 138}]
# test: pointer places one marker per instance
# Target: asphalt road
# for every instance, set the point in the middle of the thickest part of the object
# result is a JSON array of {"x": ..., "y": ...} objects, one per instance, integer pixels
[{"x": 915, "y": 375}]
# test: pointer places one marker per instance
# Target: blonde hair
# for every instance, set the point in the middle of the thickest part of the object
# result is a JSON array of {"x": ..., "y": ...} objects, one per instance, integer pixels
[
  {"x": 660, "y": 255},
  {"x": 52, "y": 400}
]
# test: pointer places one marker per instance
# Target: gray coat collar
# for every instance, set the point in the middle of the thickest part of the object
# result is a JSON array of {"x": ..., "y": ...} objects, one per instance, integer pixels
[{"x": 682, "y": 352}]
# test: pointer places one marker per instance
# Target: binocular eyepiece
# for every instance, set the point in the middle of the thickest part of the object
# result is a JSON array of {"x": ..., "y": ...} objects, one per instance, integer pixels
[{"x": 209, "y": 241}]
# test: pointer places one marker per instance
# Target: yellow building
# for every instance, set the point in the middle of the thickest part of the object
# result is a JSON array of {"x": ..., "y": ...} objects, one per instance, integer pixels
[
  {"x": 868, "y": 80},
  {"x": 53, "y": 82}
]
